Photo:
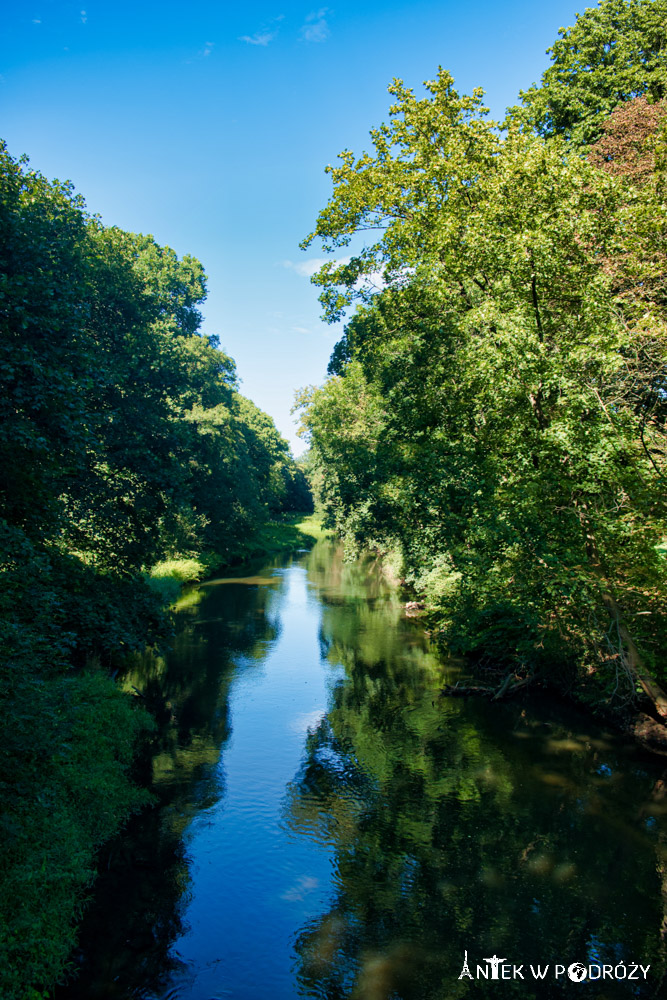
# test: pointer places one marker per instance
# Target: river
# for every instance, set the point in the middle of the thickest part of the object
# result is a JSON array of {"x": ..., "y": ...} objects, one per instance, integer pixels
[{"x": 327, "y": 826}]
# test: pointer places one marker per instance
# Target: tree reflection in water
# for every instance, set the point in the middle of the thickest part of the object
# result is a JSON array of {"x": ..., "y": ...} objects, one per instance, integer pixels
[
  {"x": 516, "y": 830},
  {"x": 143, "y": 889},
  {"x": 497, "y": 829}
]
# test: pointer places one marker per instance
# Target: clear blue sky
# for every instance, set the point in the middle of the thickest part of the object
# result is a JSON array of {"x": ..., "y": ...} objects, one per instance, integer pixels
[{"x": 209, "y": 125}]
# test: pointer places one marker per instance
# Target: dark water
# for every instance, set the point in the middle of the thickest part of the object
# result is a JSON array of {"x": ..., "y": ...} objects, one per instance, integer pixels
[{"x": 328, "y": 827}]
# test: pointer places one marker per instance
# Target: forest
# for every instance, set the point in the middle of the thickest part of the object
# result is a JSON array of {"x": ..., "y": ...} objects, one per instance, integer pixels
[
  {"x": 494, "y": 416},
  {"x": 128, "y": 455}
]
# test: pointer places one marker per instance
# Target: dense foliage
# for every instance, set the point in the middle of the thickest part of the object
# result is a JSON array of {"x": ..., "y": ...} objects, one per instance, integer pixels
[
  {"x": 612, "y": 54},
  {"x": 123, "y": 441},
  {"x": 455, "y": 826},
  {"x": 495, "y": 413}
]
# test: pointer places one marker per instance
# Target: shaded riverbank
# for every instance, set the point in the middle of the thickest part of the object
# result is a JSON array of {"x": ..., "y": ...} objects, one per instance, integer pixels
[
  {"x": 328, "y": 827},
  {"x": 289, "y": 533}
]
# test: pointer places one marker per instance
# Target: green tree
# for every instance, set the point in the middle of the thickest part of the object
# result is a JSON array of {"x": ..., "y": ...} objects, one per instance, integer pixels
[
  {"x": 613, "y": 53},
  {"x": 507, "y": 459},
  {"x": 122, "y": 440}
]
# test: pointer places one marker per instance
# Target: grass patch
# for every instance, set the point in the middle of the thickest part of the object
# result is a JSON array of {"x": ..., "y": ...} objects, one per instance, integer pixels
[
  {"x": 287, "y": 535},
  {"x": 290, "y": 533},
  {"x": 166, "y": 578},
  {"x": 311, "y": 525},
  {"x": 65, "y": 790}
]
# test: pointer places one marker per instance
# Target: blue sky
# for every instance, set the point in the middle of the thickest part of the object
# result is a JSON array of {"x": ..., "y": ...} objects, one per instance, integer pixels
[{"x": 209, "y": 125}]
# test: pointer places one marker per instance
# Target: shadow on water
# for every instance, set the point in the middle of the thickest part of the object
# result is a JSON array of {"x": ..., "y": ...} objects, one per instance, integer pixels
[
  {"x": 516, "y": 830},
  {"x": 143, "y": 888},
  {"x": 520, "y": 830}
]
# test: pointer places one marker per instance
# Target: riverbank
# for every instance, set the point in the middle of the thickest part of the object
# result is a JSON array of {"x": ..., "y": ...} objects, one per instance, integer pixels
[
  {"x": 286, "y": 534},
  {"x": 73, "y": 737},
  {"x": 496, "y": 685},
  {"x": 636, "y": 716}
]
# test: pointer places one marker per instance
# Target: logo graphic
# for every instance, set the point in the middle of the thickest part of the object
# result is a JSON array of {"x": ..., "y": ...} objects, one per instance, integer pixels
[
  {"x": 465, "y": 971},
  {"x": 577, "y": 972},
  {"x": 494, "y": 963}
]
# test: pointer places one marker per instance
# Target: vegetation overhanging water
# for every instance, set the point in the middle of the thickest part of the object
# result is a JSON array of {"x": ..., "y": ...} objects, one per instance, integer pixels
[
  {"x": 328, "y": 826},
  {"x": 494, "y": 420}
]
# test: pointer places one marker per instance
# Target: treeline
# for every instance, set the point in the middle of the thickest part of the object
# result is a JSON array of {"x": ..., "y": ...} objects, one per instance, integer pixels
[
  {"x": 123, "y": 442},
  {"x": 494, "y": 416}
]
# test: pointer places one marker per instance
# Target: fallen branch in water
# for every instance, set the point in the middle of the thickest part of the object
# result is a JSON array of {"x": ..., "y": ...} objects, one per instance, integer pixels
[{"x": 509, "y": 686}]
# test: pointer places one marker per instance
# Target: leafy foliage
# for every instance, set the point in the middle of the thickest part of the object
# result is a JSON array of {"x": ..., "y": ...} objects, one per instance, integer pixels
[
  {"x": 496, "y": 412},
  {"x": 123, "y": 443},
  {"x": 615, "y": 52}
]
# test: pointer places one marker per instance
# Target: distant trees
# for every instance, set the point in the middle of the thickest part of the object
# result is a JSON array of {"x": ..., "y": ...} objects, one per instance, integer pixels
[
  {"x": 123, "y": 437},
  {"x": 496, "y": 413}
]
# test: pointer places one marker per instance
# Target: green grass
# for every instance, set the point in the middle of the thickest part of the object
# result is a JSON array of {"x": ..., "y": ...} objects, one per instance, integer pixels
[
  {"x": 69, "y": 759},
  {"x": 289, "y": 533},
  {"x": 166, "y": 578},
  {"x": 292, "y": 532},
  {"x": 311, "y": 525},
  {"x": 295, "y": 532}
]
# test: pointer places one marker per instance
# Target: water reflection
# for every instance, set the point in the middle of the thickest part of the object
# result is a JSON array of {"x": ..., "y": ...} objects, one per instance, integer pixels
[
  {"x": 465, "y": 826},
  {"x": 144, "y": 889},
  {"x": 328, "y": 826}
]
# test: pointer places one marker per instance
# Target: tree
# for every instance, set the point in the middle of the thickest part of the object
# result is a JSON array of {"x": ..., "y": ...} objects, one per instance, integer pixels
[
  {"x": 613, "y": 53},
  {"x": 122, "y": 440},
  {"x": 507, "y": 461},
  {"x": 630, "y": 135}
]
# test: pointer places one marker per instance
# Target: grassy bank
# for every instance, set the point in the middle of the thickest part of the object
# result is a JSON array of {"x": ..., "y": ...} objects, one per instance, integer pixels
[
  {"x": 67, "y": 761},
  {"x": 70, "y": 739},
  {"x": 289, "y": 533}
]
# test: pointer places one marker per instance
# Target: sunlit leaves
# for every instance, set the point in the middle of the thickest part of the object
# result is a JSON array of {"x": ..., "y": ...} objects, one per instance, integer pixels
[{"x": 497, "y": 410}]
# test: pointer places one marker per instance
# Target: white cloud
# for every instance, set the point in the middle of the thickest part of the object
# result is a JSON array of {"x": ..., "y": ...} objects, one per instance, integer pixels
[
  {"x": 266, "y": 34},
  {"x": 36, "y": 20},
  {"x": 301, "y": 329},
  {"x": 371, "y": 282},
  {"x": 259, "y": 38},
  {"x": 298, "y": 892},
  {"x": 208, "y": 48},
  {"x": 308, "y": 722},
  {"x": 316, "y": 28},
  {"x": 84, "y": 16}
]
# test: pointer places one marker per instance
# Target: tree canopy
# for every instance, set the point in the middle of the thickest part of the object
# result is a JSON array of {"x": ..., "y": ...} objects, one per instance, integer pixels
[
  {"x": 613, "y": 53},
  {"x": 123, "y": 441},
  {"x": 496, "y": 411}
]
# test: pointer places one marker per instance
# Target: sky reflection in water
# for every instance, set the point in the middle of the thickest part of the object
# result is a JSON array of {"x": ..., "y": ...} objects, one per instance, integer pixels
[{"x": 329, "y": 827}]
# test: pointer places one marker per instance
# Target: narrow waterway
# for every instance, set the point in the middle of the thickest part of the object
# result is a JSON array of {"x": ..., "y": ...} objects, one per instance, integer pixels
[{"x": 327, "y": 826}]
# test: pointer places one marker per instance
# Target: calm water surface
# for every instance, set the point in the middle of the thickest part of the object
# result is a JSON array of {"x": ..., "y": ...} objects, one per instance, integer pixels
[{"x": 328, "y": 827}]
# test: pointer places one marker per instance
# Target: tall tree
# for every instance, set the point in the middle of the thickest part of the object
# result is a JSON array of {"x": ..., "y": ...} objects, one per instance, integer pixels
[{"x": 508, "y": 459}]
